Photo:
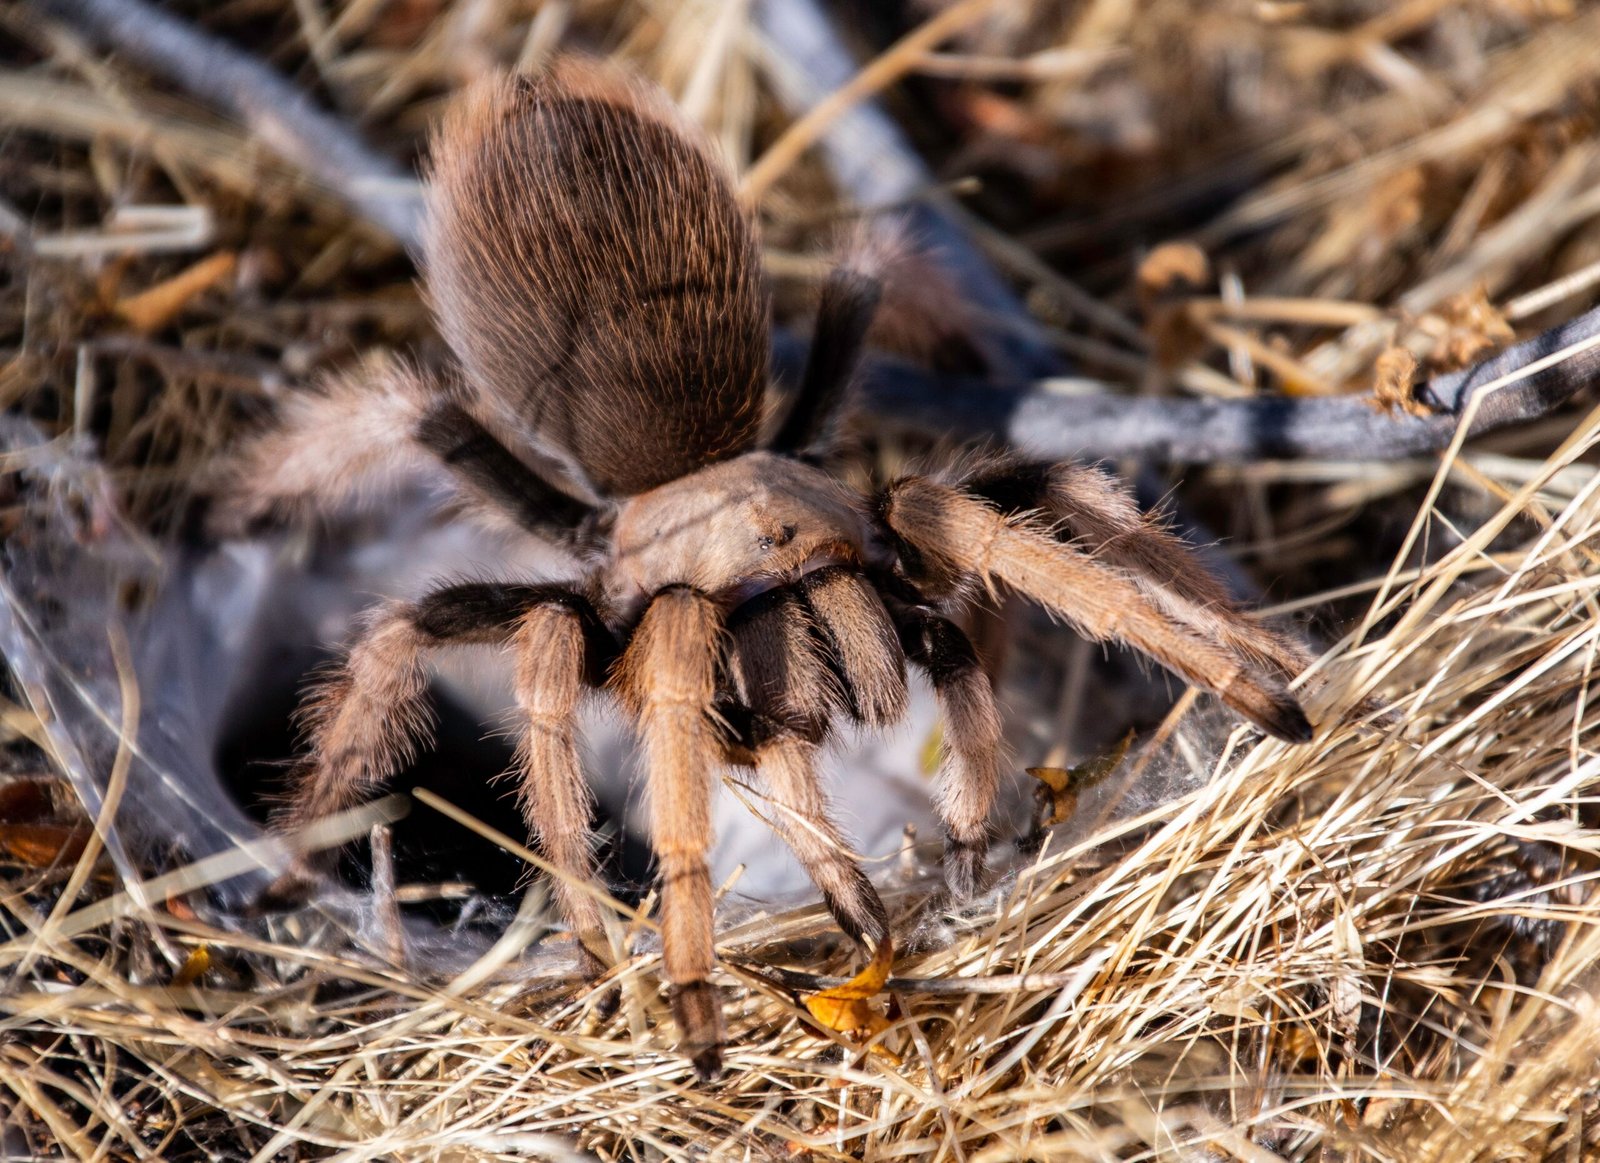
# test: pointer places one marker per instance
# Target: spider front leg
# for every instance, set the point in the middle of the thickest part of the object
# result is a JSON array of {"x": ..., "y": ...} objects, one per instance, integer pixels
[
  {"x": 1097, "y": 513},
  {"x": 789, "y": 694},
  {"x": 859, "y": 640},
  {"x": 947, "y": 537},
  {"x": 668, "y": 677},
  {"x": 366, "y": 719}
]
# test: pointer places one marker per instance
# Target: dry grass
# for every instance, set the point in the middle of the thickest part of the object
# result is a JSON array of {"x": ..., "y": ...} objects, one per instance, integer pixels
[{"x": 1378, "y": 946}]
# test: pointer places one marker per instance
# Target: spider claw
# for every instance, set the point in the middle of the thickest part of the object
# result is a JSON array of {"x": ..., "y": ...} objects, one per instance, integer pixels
[
  {"x": 708, "y": 1064},
  {"x": 1278, "y": 715},
  {"x": 698, "y": 1012}
]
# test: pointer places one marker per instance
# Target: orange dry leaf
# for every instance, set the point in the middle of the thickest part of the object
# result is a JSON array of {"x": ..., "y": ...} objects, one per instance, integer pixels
[
  {"x": 1173, "y": 269},
  {"x": 1467, "y": 326},
  {"x": 844, "y": 1008},
  {"x": 152, "y": 309},
  {"x": 198, "y": 961},
  {"x": 1167, "y": 278},
  {"x": 1393, "y": 373}
]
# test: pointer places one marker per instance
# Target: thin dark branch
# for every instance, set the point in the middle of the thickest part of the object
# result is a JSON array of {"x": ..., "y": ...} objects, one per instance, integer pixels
[
  {"x": 1042, "y": 420},
  {"x": 279, "y": 115}
]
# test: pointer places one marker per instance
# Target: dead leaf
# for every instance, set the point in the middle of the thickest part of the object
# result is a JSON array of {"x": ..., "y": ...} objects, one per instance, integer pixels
[
  {"x": 1465, "y": 327},
  {"x": 1173, "y": 269},
  {"x": 1057, "y": 797},
  {"x": 1394, "y": 373},
  {"x": 198, "y": 961},
  {"x": 844, "y": 1008},
  {"x": 1167, "y": 279}
]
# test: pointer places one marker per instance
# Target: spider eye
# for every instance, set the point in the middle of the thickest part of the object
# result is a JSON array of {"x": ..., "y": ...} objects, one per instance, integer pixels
[{"x": 784, "y": 535}]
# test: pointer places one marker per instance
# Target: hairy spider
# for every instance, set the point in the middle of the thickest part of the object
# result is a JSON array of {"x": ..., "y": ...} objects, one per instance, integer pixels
[{"x": 600, "y": 289}]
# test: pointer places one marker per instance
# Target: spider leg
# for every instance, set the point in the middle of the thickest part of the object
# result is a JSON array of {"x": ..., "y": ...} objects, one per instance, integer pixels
[
  {"x": 365, "y": 430},
  {"x": 861, "y": 642},
  {"x": 850, "y": 297},
  {"x": 1096, "y": 512},
  {"x": 365, "y": 720},
  {"x": 789, "y": 694},
  {"x": 668, "y": 677},
  {"x": 949, "y": 534},
  {"x": 776, "y": 666},
  {"x": 348, "y": 436},
  {"x": 788, "y": 765},
  {"x": 497, "y": 475},
  {"x": 969, "y": 776},
  {"x": 561, "y": 647}
]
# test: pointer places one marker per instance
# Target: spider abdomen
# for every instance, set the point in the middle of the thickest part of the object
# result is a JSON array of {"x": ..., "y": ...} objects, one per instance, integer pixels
[{"x": 593, "y": 273}]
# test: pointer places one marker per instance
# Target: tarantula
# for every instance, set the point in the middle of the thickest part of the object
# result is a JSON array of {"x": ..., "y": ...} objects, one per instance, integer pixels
[{"x": 600, "y": 290}]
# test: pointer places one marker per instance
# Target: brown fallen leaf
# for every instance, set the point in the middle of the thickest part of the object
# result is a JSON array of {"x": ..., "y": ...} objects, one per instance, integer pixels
[
  {"x": 844, "y": 1008},
  {"x": 1057, "y": 795}
]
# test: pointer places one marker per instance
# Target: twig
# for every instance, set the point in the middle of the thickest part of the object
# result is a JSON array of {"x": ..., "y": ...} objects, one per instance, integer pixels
[
  {"x": 280, "y": 115},
  {"x": 893, "y": 64},
  {"x": 1045, "y": 422}
]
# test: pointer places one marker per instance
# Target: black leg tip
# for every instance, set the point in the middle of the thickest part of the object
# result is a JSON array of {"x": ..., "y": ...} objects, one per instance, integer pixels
[
  {"x": 1273, "y": 709},
  {"x": 708, "y": 1064},
  {"x": 608, "y": 1003},
  {"x": 965, "y": 868},
  {"x": 1290, "y": 724},
  {"x": 698, "y": 1012}
]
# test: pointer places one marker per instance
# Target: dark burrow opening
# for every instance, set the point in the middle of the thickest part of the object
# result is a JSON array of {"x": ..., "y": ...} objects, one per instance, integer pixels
[{"x": 466, "y": 765}]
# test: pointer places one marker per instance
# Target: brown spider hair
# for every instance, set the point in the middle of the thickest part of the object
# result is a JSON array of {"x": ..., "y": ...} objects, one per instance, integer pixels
[{"x": 598, "y": 286}]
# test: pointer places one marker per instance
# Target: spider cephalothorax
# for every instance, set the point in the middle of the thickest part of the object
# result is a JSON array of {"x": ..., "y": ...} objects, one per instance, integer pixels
[{"x": 599, "y": 287}]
